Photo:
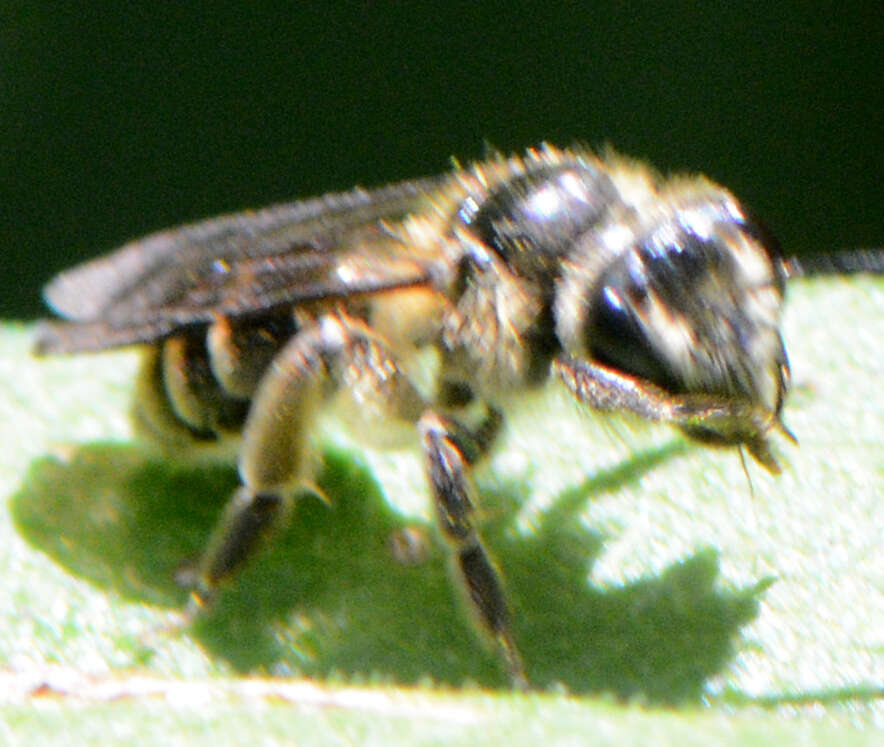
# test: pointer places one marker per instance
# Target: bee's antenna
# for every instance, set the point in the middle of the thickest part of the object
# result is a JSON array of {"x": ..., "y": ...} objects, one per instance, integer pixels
[
  {"x": 752, "y": 502},
  {"x": 746, "y": 472},
  {"x": 849, "y": 262}
]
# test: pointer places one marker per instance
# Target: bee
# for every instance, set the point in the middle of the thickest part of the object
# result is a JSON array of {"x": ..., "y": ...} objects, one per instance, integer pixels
[{"x": 643, "y": 295}]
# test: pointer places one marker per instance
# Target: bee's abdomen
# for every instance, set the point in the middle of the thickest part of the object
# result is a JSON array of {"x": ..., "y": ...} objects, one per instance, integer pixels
[{"x": 198, "y": 386}]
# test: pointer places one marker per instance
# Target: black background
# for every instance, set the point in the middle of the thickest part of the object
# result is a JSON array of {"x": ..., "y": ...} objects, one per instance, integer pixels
[{"x": 118, "y": 119}]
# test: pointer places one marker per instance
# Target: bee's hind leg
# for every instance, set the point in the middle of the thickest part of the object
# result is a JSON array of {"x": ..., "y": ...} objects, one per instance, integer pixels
[
  {"x": 275, "y": 461},
  {"x": 247, "y": 519}
]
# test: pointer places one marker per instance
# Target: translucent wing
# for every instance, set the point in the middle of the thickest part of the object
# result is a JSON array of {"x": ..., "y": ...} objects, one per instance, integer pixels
[{"x": 237, "y": 265}]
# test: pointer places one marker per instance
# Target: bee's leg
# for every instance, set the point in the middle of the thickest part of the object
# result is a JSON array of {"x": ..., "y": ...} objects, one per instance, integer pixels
[
  {"x": 274, "y": 460},
  {"x": 709, "y": 418},
  {"x": 247, "y": 518},
  {"x": 448, "y": 450},
  {"x": 271, "y": 462}
]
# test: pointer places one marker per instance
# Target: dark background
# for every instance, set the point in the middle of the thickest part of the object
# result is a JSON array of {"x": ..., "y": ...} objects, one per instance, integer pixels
[{"x": 118, "y": 119}]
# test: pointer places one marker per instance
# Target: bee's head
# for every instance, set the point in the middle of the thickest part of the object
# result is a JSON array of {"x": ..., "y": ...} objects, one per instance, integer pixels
[{"x": 690, "y": 302}]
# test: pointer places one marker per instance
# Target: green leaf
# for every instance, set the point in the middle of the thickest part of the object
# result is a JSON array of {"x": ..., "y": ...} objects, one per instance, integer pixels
[{"x": 642, "y": 569}]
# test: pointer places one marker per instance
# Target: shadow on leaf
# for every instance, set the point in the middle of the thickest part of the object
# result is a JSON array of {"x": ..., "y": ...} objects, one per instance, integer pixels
[{"x": 328, "y": 597}]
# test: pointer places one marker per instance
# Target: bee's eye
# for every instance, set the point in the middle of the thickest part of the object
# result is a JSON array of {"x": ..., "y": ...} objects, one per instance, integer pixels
[
  {"x": 693, "y": 306},
  {"x": 617, "y": 337},
  {"x": 650, "y": 306}
]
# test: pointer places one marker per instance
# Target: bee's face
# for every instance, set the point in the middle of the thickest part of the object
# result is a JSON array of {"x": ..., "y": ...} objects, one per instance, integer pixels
[{"x": 693, "y": 305}]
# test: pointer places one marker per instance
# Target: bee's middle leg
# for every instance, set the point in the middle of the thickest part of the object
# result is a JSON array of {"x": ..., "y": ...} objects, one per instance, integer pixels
[{"x": 449, "y": 450}]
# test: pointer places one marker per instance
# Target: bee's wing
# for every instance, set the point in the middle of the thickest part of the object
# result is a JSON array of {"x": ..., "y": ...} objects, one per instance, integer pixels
[{"x": 236, "y": 265}]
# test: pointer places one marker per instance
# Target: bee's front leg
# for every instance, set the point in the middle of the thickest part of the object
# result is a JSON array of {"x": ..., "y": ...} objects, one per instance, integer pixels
[
  {"x": 448, "y": 450},
  {"x": 708, "y": 418}
]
